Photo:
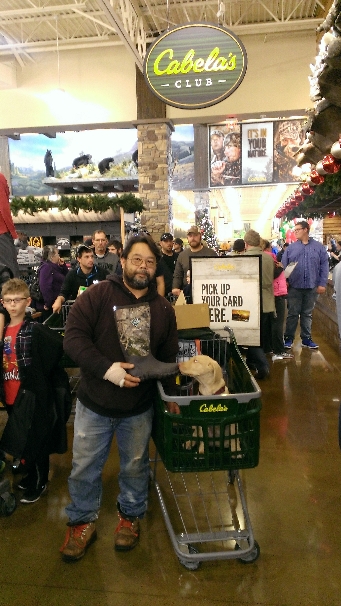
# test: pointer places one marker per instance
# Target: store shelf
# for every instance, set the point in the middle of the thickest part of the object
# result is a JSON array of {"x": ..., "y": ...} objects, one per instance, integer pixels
[{"x": 92, "y": 186}]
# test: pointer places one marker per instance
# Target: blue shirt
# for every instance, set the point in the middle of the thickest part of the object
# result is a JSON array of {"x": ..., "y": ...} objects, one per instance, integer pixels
[{"x": 312, "y": 267}]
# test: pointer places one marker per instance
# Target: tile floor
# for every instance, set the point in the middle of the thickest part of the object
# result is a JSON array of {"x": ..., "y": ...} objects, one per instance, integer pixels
[{"x": 293, "y": 499}]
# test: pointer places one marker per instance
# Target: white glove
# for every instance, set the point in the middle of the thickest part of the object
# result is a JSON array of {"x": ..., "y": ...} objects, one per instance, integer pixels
[{"x": 115, "y": 374}]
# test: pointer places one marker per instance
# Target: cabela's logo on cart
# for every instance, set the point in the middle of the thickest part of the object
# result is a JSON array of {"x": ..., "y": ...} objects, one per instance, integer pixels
[
  {"x": 195, "y": 65},
  {"x": 211, "y": 408}
]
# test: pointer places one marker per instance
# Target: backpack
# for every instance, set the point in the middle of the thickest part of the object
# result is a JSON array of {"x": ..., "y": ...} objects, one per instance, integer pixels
[{"x": 35, "y": 292}]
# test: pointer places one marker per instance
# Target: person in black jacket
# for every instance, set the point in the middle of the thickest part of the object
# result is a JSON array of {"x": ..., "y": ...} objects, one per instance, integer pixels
[
  {"x": 30, "y": 380},
  {"x": 122, "y": 318},
  {"x": 84, "y": 275},
  {"x": 168, "y": 261}
]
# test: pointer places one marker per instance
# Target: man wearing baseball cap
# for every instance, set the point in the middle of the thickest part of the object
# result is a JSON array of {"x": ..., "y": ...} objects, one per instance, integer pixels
[
  {"x": 196, "y": 249},
  {"x": 217, "y": 145},
  {"x": 168, "y": 260}
]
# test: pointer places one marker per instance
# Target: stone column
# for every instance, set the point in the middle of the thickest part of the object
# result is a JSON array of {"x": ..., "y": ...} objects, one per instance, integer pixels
[{"x": 154, "y": 158}]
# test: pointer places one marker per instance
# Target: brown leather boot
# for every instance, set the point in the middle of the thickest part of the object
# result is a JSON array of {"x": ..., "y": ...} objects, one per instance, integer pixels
[
  {"x": 77, "y": 540},
  {"x": 127, "y": 534}
]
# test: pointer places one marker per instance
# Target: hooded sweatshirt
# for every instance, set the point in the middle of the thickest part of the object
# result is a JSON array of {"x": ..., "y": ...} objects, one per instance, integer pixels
[{"x": 92, "y": 341}]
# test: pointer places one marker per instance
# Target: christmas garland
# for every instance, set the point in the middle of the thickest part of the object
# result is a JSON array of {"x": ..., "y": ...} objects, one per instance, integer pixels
[
  {"x": 97, "y": 203},
  {"x": 326, "y": 193}
]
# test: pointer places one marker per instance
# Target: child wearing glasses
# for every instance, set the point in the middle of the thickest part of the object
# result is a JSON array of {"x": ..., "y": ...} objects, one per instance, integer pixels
[{"x": 34, "y": 390}]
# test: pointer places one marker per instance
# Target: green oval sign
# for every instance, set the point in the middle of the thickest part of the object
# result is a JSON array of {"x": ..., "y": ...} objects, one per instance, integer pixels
[{"x": 195, "y": 65}]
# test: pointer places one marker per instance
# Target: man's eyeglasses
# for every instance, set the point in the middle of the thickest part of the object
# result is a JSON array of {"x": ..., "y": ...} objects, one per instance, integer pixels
[
  {"x": 298, "y": 229},
  {"x": 139, "y": 260},
  {"x": 15, "y": 301}
]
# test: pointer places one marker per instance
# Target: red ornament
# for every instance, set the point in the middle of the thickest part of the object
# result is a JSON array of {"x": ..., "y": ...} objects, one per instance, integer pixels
[
  {"x": 316, "y": 178},
  {"x": 306, "y": 189},
  {"x": 331, "y": 215},
  {"x": 298, "y": 196},
  {"x": 330, "y": 164}
]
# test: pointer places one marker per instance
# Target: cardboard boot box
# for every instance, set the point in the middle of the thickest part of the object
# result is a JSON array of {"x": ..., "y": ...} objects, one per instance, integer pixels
[{"x": 196, "y": 315}]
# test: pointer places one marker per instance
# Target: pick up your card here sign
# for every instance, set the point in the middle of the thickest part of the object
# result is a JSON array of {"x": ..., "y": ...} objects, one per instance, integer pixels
[
  {"x": 195, "y": 65},
  {"x": 231, "y": 286}
]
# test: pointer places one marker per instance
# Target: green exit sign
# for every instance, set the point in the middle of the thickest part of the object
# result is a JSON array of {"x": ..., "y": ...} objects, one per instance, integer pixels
[{"x": 195, "y": 65}]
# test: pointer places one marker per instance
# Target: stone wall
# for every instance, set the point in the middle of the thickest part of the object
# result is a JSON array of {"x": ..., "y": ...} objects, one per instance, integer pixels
[{"x": 154, "y": 158}]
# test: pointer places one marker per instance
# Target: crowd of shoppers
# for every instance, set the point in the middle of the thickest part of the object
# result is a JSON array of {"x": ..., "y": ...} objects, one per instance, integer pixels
[{"x": 120, "y": 287}]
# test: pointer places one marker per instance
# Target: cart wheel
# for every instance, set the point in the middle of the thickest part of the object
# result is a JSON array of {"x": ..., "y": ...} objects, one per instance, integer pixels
[
  {"x": 8, "y": 504},
  {"x": 186, "y": 563},
  {"x": 250, "y": 557}
]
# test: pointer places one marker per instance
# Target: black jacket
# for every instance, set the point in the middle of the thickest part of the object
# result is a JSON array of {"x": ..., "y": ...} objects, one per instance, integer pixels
[
  {"x": 43, "y": 404},
  {"x": 76, "y": 278},
  {"x": 92, "y": 341}
]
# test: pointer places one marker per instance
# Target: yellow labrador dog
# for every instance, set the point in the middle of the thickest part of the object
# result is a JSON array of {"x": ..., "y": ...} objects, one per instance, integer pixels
[
  {"x": 211, "y": 382},
  {"x": 207, "y": 372}
]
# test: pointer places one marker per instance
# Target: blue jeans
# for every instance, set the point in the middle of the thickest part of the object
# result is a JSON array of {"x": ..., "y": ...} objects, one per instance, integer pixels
[
  {"x": 301, "y": 302},
  {"x": 93, "y": 435}
]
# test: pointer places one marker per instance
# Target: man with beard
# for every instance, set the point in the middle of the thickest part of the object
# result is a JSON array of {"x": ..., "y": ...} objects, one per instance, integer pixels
[
  {"x": 217, "y": 157},
  {"x": 196, "y": 249},
  {"x": 232, "y": 173},
  {"x": 110, "y": 399},
  {"x": 217, "y": 146},
  {"x": 168, "y": 261}
]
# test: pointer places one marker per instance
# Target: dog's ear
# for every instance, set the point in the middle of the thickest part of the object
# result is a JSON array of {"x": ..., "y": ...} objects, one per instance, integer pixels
[{"x": 216, "y": 371}]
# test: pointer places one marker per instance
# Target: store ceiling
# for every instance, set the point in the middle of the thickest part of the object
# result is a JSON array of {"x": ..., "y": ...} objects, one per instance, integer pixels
[{"x": 28, "y": 27}]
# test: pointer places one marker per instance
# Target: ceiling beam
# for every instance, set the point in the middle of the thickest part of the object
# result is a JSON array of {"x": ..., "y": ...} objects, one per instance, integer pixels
[
  {"x": 46, "y": 18},
  {"x": 40, "y": 11},
  {"x": 272, "y": 27},
  {"x": 132, "y": 38},
  {"x": 105, "y": 41},
  {"x": 50, "y": 45}
]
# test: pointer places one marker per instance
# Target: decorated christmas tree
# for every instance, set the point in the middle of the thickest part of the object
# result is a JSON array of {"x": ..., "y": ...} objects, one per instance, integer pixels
[{"x": 207, "y": 231}]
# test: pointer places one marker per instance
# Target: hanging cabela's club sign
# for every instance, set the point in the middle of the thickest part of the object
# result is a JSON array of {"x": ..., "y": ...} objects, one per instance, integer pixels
[{"x": 195, "y": 65}]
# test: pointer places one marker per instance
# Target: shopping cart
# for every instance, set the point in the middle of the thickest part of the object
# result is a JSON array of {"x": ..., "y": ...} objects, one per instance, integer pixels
[
  {"x": 202, "y": 451},
  {"x": 57, "y": 322}
]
